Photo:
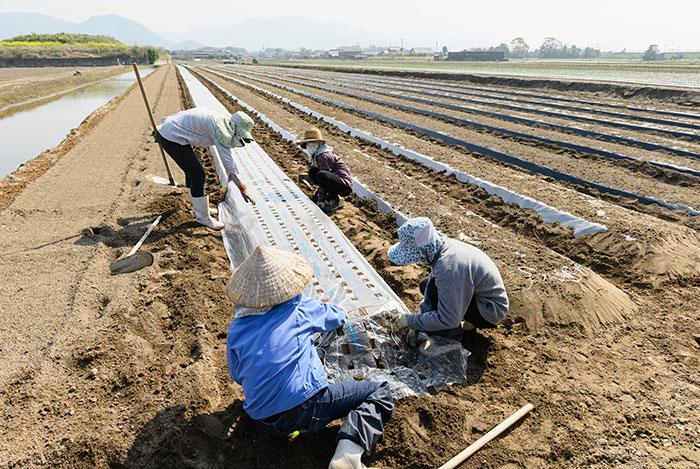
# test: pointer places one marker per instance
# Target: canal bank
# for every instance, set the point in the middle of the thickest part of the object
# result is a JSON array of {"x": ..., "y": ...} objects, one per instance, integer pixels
[
  {"x": 29, "y": 129},
  {"x": 51, "y": 129},
  {"x": 20, "y": 85}
]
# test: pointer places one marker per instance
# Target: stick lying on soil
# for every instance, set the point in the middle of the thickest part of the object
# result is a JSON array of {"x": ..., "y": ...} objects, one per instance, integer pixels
[
  {"x": 476, "y": 446},
  {"x": 134, "y": 262}
]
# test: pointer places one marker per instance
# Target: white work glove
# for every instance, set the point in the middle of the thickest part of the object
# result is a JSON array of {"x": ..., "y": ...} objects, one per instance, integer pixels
[{"x": 399, "y": 321}]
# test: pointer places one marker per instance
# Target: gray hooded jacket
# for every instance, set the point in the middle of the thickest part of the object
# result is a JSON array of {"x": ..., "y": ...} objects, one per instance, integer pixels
[{"x": 461, "y": 271}]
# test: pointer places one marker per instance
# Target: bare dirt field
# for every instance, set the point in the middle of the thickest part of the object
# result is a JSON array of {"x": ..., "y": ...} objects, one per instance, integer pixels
[
  {"x": 603, "y": 336},
  {"x": 18, "y": 85}
]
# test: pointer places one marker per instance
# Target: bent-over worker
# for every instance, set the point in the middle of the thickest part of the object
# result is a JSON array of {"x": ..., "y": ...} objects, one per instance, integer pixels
[
  {"x": 202, "y": 127},
  {"x": 464, "y": 285},
  {"x": 330, "y": 174},
  {"x": 271, "y": 354}
]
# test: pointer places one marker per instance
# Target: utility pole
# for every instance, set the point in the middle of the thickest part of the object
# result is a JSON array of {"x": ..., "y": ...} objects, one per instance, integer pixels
[{"x": 401, "y": 45}]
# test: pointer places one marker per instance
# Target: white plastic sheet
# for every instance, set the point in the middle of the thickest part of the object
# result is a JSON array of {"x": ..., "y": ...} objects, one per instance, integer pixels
[{"x": 285, "y": 218}]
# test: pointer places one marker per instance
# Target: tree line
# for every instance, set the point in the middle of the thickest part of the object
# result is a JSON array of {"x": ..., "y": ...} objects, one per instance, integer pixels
[{"x": 551, "y": 48}]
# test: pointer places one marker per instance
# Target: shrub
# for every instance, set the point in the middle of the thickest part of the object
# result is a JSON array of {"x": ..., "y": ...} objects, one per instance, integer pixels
[{"x": 153, "y": 55}]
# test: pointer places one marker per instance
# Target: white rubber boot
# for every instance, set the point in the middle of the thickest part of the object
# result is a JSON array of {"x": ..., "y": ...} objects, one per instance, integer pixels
[
  {"x": 212, "y": 210},
  {"x": 347, "y": 455},
  {"x": 200, "y": 205}
]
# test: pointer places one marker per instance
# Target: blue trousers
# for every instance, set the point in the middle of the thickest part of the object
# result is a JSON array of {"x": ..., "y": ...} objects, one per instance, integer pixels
[{"x": 367, "y": 405}]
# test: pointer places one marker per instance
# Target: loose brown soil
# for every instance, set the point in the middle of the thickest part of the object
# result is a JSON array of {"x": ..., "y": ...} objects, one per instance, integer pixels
[
  {"x": 639, "y": 93},
  {"x": 130, "y": 371}
]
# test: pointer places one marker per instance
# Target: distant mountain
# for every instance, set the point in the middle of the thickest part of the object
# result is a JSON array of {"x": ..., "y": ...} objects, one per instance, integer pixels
[
  {"x": 127, "y": 31},
  {"x": 14, "y": 24},
  {"x": 123, "y": 29},
  {"x": 287, "y": 32}
]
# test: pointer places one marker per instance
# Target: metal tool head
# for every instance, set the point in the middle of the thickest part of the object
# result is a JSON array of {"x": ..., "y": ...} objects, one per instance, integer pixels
[{"x": 131, "y": 263}]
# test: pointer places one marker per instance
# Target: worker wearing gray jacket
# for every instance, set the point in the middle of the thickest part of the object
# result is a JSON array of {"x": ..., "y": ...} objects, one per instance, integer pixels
[
  {"x": 202, "y": 127},
  {"x": 464, "y": 290}
]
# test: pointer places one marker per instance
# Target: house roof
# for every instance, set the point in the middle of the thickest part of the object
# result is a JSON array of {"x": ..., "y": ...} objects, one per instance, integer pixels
[{"x": 422, "y": 50}]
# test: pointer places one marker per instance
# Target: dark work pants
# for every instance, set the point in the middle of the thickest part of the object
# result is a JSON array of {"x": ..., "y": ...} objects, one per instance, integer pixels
[
  {"x": 329, "y": 182},
  {"x": 472, "y": 315},
  {"x": 367, "y": 405},
  {"x": 184, "y": 157}
]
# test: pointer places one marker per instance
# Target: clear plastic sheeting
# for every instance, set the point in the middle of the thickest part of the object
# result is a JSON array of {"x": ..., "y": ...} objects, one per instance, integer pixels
[
  {"x": 285, "y": 218},
  {"x": 367, "y": 348}
]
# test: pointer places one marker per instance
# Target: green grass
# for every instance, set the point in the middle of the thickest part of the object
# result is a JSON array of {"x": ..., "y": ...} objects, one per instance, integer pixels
[
  {"x": 56, "y": 43},
  {"x": 64, "y": 38},
  {"x": 62, "y": 45}
]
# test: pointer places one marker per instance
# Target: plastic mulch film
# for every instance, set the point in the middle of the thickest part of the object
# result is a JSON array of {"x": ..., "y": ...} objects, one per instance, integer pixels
[{"x": 285, "y": 218}]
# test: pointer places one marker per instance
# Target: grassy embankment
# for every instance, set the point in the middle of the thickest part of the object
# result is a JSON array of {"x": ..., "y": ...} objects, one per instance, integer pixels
[
  {"x": 64, "y": 45},
  {"x": 53, "y": 48}
]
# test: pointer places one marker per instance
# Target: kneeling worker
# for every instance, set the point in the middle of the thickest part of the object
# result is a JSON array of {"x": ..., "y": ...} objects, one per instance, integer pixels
[
  {"x": 330, "y": 174},
  {"x": 272, "y": 356},
  {"x": 464, "y": 284}
]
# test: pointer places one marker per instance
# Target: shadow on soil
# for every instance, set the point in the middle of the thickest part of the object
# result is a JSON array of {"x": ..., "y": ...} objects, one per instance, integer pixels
[
  {"x": 224, "y": 439},
  {"x": 479, "y": 347},
  {"x": 135, "y": 227}
]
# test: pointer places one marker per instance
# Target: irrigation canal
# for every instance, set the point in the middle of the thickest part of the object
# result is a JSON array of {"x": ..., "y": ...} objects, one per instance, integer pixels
[{"x": 27, "y": 130}]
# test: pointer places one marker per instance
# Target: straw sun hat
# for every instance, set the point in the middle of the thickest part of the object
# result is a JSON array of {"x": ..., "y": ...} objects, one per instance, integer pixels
[
  {"x": 268, "y": 277},
  {"x": 311, "y": 135}
]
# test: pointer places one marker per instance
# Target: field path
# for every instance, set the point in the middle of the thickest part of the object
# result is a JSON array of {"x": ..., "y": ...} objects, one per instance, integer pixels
[{"x": 54, "y": 274}]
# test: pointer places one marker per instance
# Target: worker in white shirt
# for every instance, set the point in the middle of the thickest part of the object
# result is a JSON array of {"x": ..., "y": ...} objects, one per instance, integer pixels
[{"x": 202, "y": 127}]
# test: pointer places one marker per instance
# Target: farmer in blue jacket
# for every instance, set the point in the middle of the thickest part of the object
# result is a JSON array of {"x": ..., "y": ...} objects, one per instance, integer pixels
[
  {"x": 272, "y": 356},
  {"x": 464, "y": 290}
]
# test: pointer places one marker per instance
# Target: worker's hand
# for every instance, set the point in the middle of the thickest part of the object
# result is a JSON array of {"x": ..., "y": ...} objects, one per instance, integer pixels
[
  {"x": 412, "y": 337},
  {"x": 245, "y": 195},
  {"x": 399, "y": 321}
]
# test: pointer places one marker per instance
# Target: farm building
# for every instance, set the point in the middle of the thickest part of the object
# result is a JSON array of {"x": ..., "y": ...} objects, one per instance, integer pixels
[
  {"x": 351, "y": 55},
  {"x": 477, "y": 56},
  {"x": 422, "y": 52},
  {"x": 392, "y": 52},
  {"x": 211, "y": 53}
]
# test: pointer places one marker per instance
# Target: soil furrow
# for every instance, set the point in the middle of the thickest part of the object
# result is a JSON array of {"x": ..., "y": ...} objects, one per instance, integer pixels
[
  {"x": 525, "y": 264},
  {"x": 632, "y": 240},
  {"x": 544, "y": 131},
  {"x": 592, "y": 168}
]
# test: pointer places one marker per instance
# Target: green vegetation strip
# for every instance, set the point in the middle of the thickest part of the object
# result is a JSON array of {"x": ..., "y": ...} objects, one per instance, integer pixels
[{"x": 64, "y": 45}]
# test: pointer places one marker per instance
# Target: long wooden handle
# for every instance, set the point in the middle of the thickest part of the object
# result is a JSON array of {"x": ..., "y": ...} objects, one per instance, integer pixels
[
  {"x": 153, "y": 122},
  {"x": 143, "y": 238},
  {"x": 478, "y": 444}
]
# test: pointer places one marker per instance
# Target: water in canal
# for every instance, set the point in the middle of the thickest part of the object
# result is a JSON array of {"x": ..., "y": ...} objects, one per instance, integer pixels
[{"x": 26, "y": 131}]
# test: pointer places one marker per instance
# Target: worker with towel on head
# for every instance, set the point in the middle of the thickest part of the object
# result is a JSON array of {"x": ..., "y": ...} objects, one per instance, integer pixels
[
  {"x": 271, "y": 354},
  {"x": 330, "y": 172},
  {"x": 464, "y": 290},
  {"x": 202, "y": 127}
]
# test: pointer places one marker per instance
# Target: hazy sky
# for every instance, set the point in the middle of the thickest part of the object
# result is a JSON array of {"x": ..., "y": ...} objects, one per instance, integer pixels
[{"x": 609, "y": 24}]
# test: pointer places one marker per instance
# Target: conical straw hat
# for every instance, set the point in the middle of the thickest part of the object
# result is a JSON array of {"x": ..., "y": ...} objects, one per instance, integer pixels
[{"x": 268, "y": 277}]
